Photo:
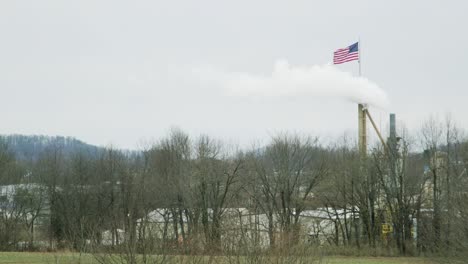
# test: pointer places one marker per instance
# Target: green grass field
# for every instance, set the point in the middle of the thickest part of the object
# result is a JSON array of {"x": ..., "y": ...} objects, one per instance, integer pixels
[{"x": 57, "y": 258}]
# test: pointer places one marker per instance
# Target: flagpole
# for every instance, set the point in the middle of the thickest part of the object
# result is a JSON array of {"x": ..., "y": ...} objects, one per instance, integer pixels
[
  {"x": 362, "y": 130},
  {"x": 362, "y": 108},
  {"x": 359, "y": 52}
]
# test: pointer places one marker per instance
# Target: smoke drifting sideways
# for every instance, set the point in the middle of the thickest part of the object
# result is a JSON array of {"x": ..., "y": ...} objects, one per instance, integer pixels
[{"x": 298, "y": 81}]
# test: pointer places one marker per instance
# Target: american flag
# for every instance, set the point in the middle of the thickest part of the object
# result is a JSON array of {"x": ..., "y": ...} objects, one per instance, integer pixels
[{"x": 346, "y": 54}]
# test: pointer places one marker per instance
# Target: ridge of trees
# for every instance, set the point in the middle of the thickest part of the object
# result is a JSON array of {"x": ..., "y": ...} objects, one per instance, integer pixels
[{"x": 421, "y": 195}]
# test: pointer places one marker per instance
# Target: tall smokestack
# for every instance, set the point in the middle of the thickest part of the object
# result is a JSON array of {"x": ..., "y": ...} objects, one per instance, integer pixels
[
  {"x": 362, "y": 131},
  {"x": 392, "y": 126},
  {"x": 392, "y": 140}
]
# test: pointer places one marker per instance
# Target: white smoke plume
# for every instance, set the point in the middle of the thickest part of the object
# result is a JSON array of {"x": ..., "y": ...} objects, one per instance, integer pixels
[{"x": 290, "y": 81}]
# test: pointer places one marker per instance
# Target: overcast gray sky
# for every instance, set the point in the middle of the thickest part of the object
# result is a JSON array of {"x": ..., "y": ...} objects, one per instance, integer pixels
[{"x": 119, "y": 72}]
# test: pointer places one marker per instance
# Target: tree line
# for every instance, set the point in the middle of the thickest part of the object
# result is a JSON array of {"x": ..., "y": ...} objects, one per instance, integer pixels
[{"x": 409, "y": 201}]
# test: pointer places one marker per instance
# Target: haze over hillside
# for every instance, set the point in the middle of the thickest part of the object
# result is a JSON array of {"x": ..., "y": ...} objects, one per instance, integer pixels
[{"x": 29, "y": 147}]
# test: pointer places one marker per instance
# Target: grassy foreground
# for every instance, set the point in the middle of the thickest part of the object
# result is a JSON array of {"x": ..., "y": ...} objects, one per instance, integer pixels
[{"x": 57, "y": 258}]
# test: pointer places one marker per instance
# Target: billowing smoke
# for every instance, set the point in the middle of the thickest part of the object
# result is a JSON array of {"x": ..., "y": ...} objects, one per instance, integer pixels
[{"x": 292, "y": 81}]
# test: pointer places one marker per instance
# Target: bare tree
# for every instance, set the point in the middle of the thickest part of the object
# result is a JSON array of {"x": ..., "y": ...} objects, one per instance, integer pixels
[
  {"x": 217, "y": 183},
  {"x": 337, "y": 192},
  {"x": 287, "y": 171},
  {"x": 50, "y": 169}
]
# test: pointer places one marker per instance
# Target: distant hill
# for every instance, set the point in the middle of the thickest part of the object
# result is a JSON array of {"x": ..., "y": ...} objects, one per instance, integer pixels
[{"x": 30, "y": 147}]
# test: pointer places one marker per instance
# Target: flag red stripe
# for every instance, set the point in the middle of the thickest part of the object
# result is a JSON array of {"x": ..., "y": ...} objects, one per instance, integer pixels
[
  {"x": 345, "y": 60},
  {"x": 344, "y": 57},
  {"x": 347, "y": 55},
  {"x": 341, "y": 52},
  {"x": 342, "y": 61}
]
